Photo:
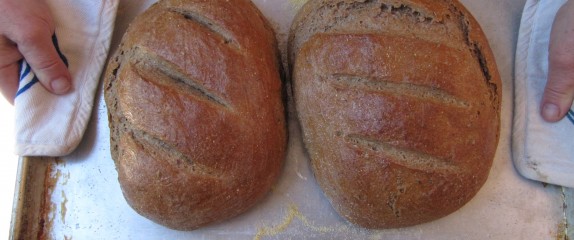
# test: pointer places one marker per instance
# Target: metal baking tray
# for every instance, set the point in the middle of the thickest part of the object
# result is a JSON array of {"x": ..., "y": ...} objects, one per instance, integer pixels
[{"x": 78, "y": 196}]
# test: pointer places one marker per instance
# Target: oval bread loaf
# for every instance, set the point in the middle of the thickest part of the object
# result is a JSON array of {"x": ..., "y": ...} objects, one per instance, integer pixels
[
  {"x": 399, "y": 103},
  {"x": 195, "y": 108}
]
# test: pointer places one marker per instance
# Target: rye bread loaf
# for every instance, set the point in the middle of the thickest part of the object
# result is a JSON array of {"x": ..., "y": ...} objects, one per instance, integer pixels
[
  {"x": 399, "y": 104},
  {"x": 196, "y": 114}
]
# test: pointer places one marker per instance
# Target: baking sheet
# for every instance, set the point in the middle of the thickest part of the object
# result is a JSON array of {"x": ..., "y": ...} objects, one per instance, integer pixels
[{"x": 78, "y": 197}]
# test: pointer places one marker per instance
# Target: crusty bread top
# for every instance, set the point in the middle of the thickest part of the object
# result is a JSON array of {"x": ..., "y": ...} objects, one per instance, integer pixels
[
  {"x": 196, "y": 115},
  {"x": 399, "y": 102},
  {"x": 444, "y": 22}
]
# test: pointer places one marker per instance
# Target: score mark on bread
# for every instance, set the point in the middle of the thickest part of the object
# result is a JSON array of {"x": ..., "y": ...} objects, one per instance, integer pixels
[
  {"x": 206, "y": 23},
  {"x": 157, "y": 70},
  {"x": 381, "y": 85},
  {"x": 407, "y": 158}
]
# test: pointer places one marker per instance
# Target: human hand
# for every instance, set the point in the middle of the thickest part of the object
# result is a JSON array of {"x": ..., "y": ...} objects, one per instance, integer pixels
[
  {"x": 26, "y": 29},
  {"x": 559, "y": 91}
]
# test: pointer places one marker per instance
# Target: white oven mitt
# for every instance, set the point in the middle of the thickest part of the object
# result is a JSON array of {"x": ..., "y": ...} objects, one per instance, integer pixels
[
  {"x": 541, "y": 151},
  {"x": 50, "y": 125}
]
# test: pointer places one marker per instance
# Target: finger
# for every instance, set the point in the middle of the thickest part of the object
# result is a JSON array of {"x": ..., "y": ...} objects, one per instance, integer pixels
[
  {"x": 9, "y": 68},
  {"x": 9, "y": 53},
  {"x": 559, "y": 91},
  {"x": 39, "y": 51},
  {"x": 558, "y": 94},
  {"x": 9, "y": 81}
]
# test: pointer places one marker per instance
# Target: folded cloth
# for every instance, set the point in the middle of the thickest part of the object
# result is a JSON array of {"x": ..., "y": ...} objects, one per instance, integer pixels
[
  {"x": 541, "y": 151},
  {"x": 51, "y": 125}
]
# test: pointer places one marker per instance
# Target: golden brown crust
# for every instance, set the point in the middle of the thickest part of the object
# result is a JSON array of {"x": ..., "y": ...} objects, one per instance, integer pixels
[
  {"x": 197, "y": 122},
  {"x": 399, "y": 103}
]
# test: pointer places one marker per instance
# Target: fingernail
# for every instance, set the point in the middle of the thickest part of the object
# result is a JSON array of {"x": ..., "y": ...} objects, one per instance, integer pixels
[
  {"x": 60, "y": 86},
  {"x": 550, "y": 111}
]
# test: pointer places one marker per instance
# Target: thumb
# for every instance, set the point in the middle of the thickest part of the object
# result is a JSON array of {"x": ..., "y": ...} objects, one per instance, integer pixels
[
  {"x": 558, "y": 94},
  {"x": 559, "y": 91},
  {"x": 40, "y": 52}
]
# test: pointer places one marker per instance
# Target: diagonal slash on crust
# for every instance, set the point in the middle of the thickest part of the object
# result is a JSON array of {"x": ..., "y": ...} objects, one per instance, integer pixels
[
  {"x": 157, "y": 147},
  {"x": 208, "y": 24},
  {"x": 403, "y": 157},
  {"x": 148, "y": 64},
  {"x": 407, "y": 89}
]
